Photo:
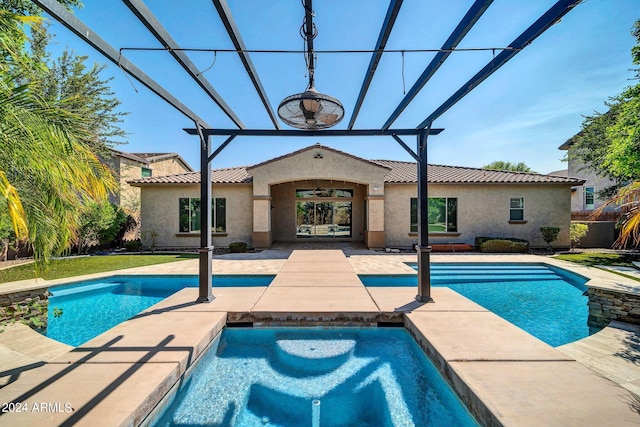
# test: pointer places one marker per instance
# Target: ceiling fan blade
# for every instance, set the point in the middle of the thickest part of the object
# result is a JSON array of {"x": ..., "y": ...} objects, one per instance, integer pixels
[{"x": 327, "y": 118}]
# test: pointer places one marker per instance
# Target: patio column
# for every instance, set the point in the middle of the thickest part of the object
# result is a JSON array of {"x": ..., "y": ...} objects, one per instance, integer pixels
[
  {"x": 261, "y": 212},
  {"x": 424, "y": 250},
  {"x": 205, "y": 293},
  {"x": 375, "y": 216},
  {"x": 261, "y": 221}
]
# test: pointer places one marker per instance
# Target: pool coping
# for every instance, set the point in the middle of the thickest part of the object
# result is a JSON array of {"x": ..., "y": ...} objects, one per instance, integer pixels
[{"x": 464, "y": 371}]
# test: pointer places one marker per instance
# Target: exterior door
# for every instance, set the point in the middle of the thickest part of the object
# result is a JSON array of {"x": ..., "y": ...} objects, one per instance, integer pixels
[{"x": 323, "y": 219}]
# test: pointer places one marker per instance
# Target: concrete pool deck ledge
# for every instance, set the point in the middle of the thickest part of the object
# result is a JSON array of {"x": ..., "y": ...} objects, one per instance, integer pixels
[{"x": 503, "y": 374}]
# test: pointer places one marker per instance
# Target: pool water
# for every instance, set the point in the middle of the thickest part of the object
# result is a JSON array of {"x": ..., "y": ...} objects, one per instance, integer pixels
[
  {"x": 545, "y": 301},
  {"x": 92, "y": 307},
  {"x": 270, "y": 377}
]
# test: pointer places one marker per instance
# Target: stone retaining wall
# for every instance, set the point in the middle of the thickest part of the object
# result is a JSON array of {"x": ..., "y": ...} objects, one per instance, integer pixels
[
  {"x": 606, "y": 305},
  {"x": 25, "y": 305}
]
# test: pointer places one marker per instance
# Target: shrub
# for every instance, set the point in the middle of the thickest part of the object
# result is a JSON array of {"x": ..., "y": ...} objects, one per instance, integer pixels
[
  {"x": 496, "y": 245},
  {"x": 95, "y": 220},
  {"x": 107, "y": 236},
  {"x": 576, "y": 232},
  {"x": 549, "y": 234},
  {"x": 504, "y": 246},
  {"x": 519, "y": 247},
  {"x": 132, "y": 245},
  {"x": 238, "y": 247},
  {"x": 516, "y": 245},
  {"x": 148, "y": 239}
]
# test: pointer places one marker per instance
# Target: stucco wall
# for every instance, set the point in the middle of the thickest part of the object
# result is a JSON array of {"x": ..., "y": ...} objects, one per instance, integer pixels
[
  {"x": 127, "y": 170},
  {"x": 129, "y": 196},
  {"x": 167, "y": 167},
  {"x": 283, "y": 213},
  {"x": 483, "y": 210},
  {"x": 317, "y": 163},
  {"x": 576, "y": 169},
  {"x": 160, "y": 213}
]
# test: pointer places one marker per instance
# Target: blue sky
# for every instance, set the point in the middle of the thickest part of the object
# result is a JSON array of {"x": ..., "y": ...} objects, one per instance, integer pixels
[{"x": 523, "y": 112}]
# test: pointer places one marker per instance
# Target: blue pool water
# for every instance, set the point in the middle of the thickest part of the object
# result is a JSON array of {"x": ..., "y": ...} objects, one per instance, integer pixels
[
  {"x": 270, "y": 377},
  {"x": 545, "y": 301},
  {"x": 92, "y": 307}
]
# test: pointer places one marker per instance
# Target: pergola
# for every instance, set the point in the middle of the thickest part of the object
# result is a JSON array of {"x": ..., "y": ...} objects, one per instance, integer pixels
[{"x": 205, "y": 131}]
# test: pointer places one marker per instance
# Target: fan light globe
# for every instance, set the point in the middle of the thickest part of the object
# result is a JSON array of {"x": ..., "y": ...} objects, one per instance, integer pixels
[{"x": 310, "y": 110}]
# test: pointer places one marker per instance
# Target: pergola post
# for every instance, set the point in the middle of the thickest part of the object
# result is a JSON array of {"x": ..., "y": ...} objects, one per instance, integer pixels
[
  {"x": 424, "y": 250},
  {"x": 205, "y": 292}
]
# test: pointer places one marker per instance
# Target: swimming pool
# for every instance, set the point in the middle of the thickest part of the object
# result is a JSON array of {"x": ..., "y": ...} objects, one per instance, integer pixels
[
  {"x": 546, "y": 301},
  {"x": 92, "y": 307},
  {"x": 271, "y": 377}
]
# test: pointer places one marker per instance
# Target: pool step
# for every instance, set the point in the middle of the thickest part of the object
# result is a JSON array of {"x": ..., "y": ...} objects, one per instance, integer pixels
[{"x": 313, "y": 356}]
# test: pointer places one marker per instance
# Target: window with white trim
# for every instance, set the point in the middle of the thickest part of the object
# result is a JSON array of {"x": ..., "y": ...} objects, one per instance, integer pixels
[
  {"x": 516, "y": 209},
  {"x": 589, "y": 198}
]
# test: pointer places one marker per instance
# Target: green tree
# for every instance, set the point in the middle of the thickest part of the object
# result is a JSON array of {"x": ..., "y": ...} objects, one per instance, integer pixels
[
  {"x": 116, "y": 230},
  {"x": 508, "y": 166},
  {"x": 86, "y": 94},
  {"x": 27, "y": 7},
  {"x": 609, "y": 144},
  {"x": 7, "y": 235},
  {"x": 549, "y": 235},
  {"x": 576, "y": 232},
  {"x": 95, "y": 220},
  {"x": 627, "y": 199},
  {"x": 45, "y": 165}
]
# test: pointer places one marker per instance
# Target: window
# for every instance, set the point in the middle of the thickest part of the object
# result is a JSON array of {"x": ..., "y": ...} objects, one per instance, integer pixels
[
  {"x": 414, "y": 215},
  {"x": 146, "y": 172},
  {"x": 324, "y": 192},
  {"x": 442, "y": 214},
  {"x": 589, "y": 198},
  {"x": 189, "y": 211},
  {"x": 516, "y": 209}
]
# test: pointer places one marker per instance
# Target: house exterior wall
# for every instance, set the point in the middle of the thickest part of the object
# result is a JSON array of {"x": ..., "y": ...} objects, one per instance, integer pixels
[
  {"x": 129, "y": 196},
  {"x": 168, "y": 167},
  {"x": 318, "y": 165},
  {"x": 160, "y": 213},
  {"x": 126, "y": 169},
  {"x": 483, "y": 210},
  {"x": 577, "y": 169}
]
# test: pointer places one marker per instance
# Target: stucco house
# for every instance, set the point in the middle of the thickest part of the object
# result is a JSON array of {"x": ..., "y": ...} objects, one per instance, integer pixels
[
  {"x": 320, "y": 193},
  {"x": 584, "y": 199},
  {"x": 130, "y": 166}
]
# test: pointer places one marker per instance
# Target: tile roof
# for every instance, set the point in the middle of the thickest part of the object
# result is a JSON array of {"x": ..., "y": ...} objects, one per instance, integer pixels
[
  {"x": 154, "y": 157},
  {"x": 399, "y": 172},
  {"x": 407, "y": 172},
  {"x": 237, "y": 175},
  {"x": 148, "y": 158}
]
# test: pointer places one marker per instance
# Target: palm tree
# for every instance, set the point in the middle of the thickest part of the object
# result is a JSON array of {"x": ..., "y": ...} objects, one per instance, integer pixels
[
  {"x": 628, "y": 200},
  {"x": 46, "y": 172}
]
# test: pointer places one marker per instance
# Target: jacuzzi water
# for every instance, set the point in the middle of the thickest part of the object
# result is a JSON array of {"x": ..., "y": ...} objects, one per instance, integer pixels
[
  {"x": 547, "y": 302},
  {"x": 92, "y": 307},
  {"x": 270, "y": 377}
]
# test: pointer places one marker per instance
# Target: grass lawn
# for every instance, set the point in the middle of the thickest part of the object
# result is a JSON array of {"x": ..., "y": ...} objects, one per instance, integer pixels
[
  {"x": 70, "y": 267},
  {"x": 598, "y": 258}
]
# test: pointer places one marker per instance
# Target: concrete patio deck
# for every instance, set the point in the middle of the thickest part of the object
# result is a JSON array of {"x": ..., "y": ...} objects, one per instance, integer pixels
[{"x": 506, "y": 376}]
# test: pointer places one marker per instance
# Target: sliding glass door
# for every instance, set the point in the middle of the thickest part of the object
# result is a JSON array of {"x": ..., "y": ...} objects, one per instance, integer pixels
[{"x": 317, "y": 218}]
